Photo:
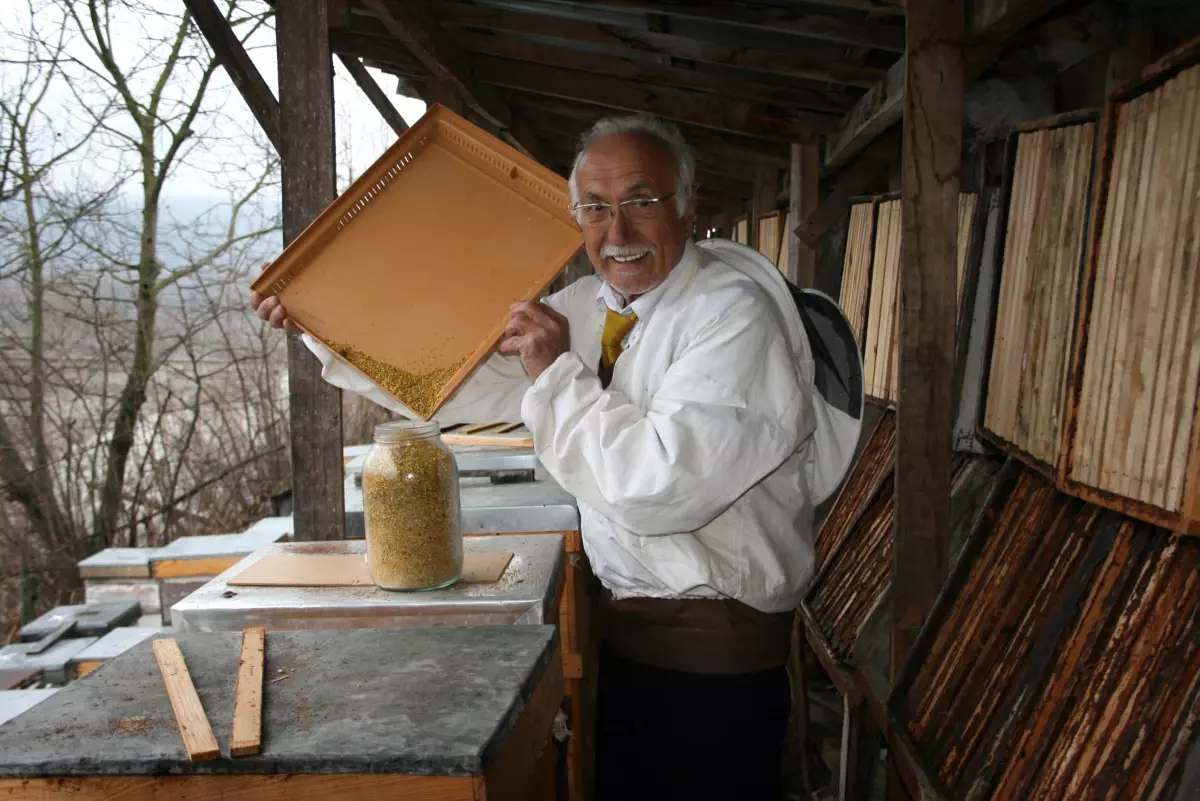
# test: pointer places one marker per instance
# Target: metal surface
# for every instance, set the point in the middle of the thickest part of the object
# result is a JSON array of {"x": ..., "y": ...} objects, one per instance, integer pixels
[
  {"x": 118, "y": 563},
  {"x": 523, "y": 595},
  {"x": 14, "y": 702},
  {"x": 201, "y": 547},
  {"x": 116, "y": 642},
  {"x": 90, "y": 619},
  {"x": 53, "y": 662},
  {"x": 489, "y": 508},
  {"x": 141, "y": 591},
  {"x": 470, "y": 459}
]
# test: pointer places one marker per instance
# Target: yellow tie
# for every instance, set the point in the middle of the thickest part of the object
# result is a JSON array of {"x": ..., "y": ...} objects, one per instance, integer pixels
[{"x": 616, "y": 328}]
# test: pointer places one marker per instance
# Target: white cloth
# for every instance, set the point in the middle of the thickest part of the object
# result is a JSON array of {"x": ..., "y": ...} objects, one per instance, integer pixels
[{"x": 690, "y": 468}]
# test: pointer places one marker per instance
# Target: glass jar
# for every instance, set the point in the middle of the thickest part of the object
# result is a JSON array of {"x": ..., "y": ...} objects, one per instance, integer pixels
[{"x": 411, "y": 508}]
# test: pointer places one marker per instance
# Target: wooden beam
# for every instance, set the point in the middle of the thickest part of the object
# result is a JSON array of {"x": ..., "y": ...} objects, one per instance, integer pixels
[
  {"x": 309, "y": 185},
  {"x": 852, "y": 181},
  {"x": 413, "y": 25},
  {"x": 804, "y": 178},
  {"x": 932, "y": 157},
  {"x": 716, "y": 146},
  {"x": 762, "y": 201},
  {"x": 992, "y": 23},
  {"x": 371, "y": 89},
  {"x": 715, "y": 80},
  {"x": 717, "y": 19},
  {"x": 732, "y": 115},
  {"x": 621, "y": 40},
  {"x": 241, "y": 70}
]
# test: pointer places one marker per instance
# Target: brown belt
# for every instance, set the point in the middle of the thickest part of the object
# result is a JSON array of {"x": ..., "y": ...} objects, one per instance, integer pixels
[{"x": 696, "y": 635}]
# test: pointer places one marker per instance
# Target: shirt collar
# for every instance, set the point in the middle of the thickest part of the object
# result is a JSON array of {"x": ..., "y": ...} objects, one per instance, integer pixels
[{"x": 609, "y": 298}]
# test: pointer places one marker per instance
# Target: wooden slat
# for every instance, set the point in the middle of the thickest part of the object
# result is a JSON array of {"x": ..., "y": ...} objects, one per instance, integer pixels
[
  {"x": 197, "y": 735},
  {"x": 1141, "y": 366},
  {"x": 248, "y": 694},
  {"x": 1039, "y": 285},
  {"x": 856, "y": 268}
]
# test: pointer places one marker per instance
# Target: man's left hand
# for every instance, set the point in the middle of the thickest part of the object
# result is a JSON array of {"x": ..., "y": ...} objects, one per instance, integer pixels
[{"x": 538, "y": 334}]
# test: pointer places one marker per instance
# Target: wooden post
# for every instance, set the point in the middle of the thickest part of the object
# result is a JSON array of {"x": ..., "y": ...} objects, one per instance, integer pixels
[
  {"x": 933, "y": 122},
  {"x": 309, "y": 185},
  {"x": 803, "y": 196}
]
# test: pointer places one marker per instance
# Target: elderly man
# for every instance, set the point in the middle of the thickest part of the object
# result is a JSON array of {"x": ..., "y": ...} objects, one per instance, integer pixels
[{"x": 671, "y": 394}]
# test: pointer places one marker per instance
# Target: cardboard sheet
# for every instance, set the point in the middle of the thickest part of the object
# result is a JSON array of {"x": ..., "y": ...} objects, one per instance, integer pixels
[{"x": 350, "y": 570}]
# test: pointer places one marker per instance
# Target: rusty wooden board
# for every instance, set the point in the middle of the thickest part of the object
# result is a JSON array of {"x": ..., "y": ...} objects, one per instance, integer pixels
[
  {"x": 1068, "y": 663},
  {"x": 876, "y": 463},
  {"x": 1038, "y": 288}
]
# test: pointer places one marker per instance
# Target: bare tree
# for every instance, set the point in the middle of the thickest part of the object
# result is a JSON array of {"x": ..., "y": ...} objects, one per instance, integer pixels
[{"x": 119, "y": 331}]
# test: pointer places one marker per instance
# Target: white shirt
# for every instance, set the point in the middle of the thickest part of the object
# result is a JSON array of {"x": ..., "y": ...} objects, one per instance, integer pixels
[{"x": 690, "y": 468}]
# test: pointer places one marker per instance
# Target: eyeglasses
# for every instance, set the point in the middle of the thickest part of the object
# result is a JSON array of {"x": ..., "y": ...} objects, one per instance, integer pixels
[{"x": 636, "y": 210}]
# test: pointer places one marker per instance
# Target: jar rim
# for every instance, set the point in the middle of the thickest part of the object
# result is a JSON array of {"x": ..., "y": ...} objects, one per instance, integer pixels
[{"x": 404, "y": 430}]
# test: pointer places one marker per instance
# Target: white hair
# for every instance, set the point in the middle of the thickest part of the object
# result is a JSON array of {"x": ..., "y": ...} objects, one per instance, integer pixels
[{"x": 664, "y": 132}]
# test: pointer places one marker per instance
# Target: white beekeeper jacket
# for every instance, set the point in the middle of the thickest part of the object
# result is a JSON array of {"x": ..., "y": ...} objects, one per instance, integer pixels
[{"x": 692, "y": 470}]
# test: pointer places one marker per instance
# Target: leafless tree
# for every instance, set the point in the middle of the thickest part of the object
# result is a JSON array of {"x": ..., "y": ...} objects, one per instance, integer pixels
[{"x": 132, "y": 385}]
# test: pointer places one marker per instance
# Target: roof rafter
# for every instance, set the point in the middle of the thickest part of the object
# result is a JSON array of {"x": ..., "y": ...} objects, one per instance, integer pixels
[
  {"x": 732, "y": 115},
  {"x": 616, "y": 39}
]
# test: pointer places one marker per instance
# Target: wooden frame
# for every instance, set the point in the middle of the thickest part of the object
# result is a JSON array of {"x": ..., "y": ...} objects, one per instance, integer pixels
[{"x": 1187, "y": 519}]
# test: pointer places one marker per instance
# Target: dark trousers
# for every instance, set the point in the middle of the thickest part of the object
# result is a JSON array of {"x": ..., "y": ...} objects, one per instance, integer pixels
[{"x": 665, "y": 734}]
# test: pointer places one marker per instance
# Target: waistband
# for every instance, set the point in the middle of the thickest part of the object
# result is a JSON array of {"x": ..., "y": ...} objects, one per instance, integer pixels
[{"x": 696, "y": 635}]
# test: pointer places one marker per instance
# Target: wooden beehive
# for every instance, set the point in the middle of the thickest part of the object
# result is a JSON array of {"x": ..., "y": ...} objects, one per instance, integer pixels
[
  {"x": 1035, "y": 321},
  {"x": 1133, "y": 435},
  {"x": 410, "y": 273},
  {"x": 856, "y": 267},
  {"x": 881, "y": 346}
]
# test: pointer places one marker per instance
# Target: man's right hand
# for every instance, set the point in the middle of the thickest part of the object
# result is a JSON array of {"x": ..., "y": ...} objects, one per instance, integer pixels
[{"x": 271, "y": 310}]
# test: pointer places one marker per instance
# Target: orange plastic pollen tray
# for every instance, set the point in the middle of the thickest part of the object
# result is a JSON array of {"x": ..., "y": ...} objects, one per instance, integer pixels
[{"x": 417, "y": 263}]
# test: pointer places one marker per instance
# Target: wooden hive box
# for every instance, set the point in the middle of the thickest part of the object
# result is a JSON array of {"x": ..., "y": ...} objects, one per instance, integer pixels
[
  {"x": 409, "y": 274},
  {"x": 1132, "y": 439},
  {"x": 1041, "y": 261}
]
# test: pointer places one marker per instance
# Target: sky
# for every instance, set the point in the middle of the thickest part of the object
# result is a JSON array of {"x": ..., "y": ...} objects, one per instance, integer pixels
[{"x": 204, "y": 176}]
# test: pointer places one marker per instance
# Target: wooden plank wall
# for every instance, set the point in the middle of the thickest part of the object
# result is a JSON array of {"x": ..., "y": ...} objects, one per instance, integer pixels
[
  {"x": 1038, "y": 288},
  {"x": 741, "y": 231},
  {"x": 881, "y": 344},
  {"x": 1136, "y": 429},
  {"x": 785, "y": 243},
  {"x": 856, "y": 267},
  {"x": 768, "y": 235}
]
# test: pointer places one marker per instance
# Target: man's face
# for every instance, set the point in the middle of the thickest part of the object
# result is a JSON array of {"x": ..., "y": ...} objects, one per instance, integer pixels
[{"x": 636, "y": 248}]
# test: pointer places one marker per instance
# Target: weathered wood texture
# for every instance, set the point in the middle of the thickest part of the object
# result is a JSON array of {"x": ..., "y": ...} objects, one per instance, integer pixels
[
  {"x": 248, "y": 694},
  {"x": 933, "y": 130},
  {"x": 1069, "y": 662},
  {"x": 197, "y": 734},
  {"x": 1136, "y": 432},
  {"x": 1035, "y": 322},
  {"x": 874, "y": 465},
  {"x": 881, "y": 359},
  {"x": 770, "y": 226},
  {"x": 798, "y": 259},
  {"x": 309, "y": 185},
  {"x": 856, "y": 267}
]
